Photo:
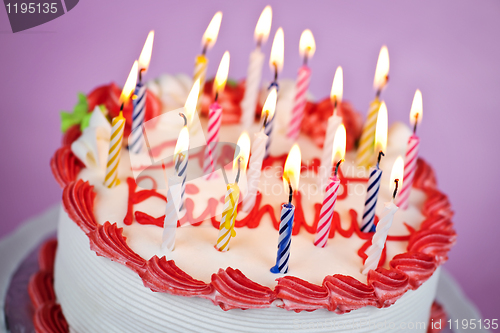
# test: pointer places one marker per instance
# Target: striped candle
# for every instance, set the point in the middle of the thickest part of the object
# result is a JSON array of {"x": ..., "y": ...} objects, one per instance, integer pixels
[
  {"x": 367, "y": 140},
  {"x": 368, "y": 223},
  {"x": 374, "y": 252},
  {"x": 214, "y": 121},
  {"x": 182, "y": 161},
  {"x": 252, "y": 86},
  {"x": 410, "y": 166},
  {"x": 254, "y": 170},
  {"x": 285, "y": 239},
  {"x": 171, "y": 213},
  {"x": 326, "y": 214},
  {"x": 326, "y": 159},
  {"x": 226, "y": 228},
  {"x": 138, "y": 118},
  {"x": 200, "y": 71},
  {"x": 299, "y": 102},
  {"x": 115, "y": 146}
]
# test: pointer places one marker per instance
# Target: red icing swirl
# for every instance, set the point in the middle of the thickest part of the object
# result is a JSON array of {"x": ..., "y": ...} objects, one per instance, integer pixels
[
  {"x": 235, "y": 290},
  {"x": 418, "y": 266},
  {"x": 348, "y": 293},
  {"x": 298, "y": 295},
  {"x": 437, "y": 320},
  {"x": 433, "y": 242},
  {"x": 162, "y": 275},
  {"x": 108, "y": 241},
  {"x": 40, "y": 288},
  {"x": 65, "y": 166},
  {"x": 46, "y": 255},
  {"x": 48, "y": 318},
  {"x": 78, "y": 201},
  {"x": 389, "y": 285}
]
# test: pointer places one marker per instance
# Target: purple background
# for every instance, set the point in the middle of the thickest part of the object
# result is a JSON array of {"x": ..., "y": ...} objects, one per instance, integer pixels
[{"x": 448, "y": 49}]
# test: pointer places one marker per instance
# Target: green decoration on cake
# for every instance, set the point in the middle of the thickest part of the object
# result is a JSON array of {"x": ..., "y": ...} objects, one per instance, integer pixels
[{"x": 80, "y": 115}]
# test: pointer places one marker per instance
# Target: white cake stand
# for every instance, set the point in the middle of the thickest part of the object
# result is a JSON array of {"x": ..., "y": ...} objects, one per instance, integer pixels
[{"x": 15, "y": 247}]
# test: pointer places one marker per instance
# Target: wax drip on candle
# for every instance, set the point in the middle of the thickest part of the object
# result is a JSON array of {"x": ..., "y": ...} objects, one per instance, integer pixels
[
  {"x": 379, "y": 90},
  {"x": 380, "y": 154},
  {"x": 395, "y": 189}
]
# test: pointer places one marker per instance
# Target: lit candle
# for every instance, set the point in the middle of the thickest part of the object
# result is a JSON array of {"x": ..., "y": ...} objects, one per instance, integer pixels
[
  {"x": 367, "y": 225},
  {"x": 258, "y": 152},
  {"x": 333, "y": 123},
  {"x": 191, "y": 103},
  {"x": 226, "y": 228},
  {"x": 411, "y": 152},
  {"x": 307, "y": 47},
  {"x": 181, "y": 160},
  {"x": 276, "y": 63},
  {"x": 215, "y": 117},
  {"x": 374, "y": 252},
  {"x": 326, "y": 214},
  {"x": 208, "y": 41},
  {"x": 366, "y": 142},
  {"x": 135, "y": 146},
  {"x": 254, "y": 72},
  {"x": 118, "y": 125},
  {"x": 291, "y": 175}
]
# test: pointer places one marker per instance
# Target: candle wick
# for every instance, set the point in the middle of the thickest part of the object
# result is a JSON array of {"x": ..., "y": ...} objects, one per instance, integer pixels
[
  {"x": 265, "y": 120},
  {"x": 306, "y": 54},
  {"x": 337, "y": 166},
  {"x": 140, "y": 74},
  {"x": 382, "y": 86},
  {"x": 290, "y": 191},
  {"x": 395, "y": 189},
  {"x": 275, "y": 72},
  {"x": 183, "y": 116},
  {"x": 216, "y": 95},
  {"x": 121, "y": 107},
  {"x": 380, "y": 154},
  {"x": 205, "y": 47},
  {"x": 259, "y": 41},
  {"x": 180, "y": 158},
  {"x": 415, "y": 125},
  {"x": 237, "y": 179}
]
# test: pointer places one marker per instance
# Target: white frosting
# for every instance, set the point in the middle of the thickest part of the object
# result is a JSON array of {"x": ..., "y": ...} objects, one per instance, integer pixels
[
  {"x": 172, "y": 90},
  {"x": 98, "y": 295}
]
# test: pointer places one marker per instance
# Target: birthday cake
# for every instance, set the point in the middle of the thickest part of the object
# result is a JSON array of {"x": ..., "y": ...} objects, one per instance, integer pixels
[{"x": 236, "y": 250}]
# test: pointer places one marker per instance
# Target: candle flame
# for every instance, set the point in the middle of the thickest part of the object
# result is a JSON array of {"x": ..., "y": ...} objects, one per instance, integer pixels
[
  {"x": 277, "y": 51},
  {"x": 129, "y": 87},
  {"x": 222, "y": 73},
  {"x": 270, "y": 104},
  {"x": 192, "y": 101},
  {"x": 145, "y": 56},
  {"x": 291, "y": 172},
  {"x": 382, "y": 69},
  {"x": 337, "y": 86},
  {"x": 243, "y": 153},
  {"x": 381, "y": 129},
  {"x": 307, "y": 45},
  {"x": 263, "y": 26},
  {"x": 416, "y": 108},
  {"x": 182, "y": 142},
  {"x": 339, "y": 144},
  {"x": 210, "y": 35},
  {"x": 397, "y": 173}
]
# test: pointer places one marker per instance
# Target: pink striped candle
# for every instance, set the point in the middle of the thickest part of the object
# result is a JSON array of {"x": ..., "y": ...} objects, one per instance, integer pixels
[
  {"x": 325, "y": 217},
  {"x": 299, "y": 102},
  {"x": 410, "y": 166},
  {"x": 411, "y": 152},
  {"x": 214, "y": 121}
]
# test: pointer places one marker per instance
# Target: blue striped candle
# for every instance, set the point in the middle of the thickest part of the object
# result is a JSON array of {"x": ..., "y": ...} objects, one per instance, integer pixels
[
  {"x": 138, "y": 118},
  {"x": 181, "y": 172},
  {"x": 270, "y": 122},
  {"x": 285, "y": 239},
  {"x": 368, "y": 224}
]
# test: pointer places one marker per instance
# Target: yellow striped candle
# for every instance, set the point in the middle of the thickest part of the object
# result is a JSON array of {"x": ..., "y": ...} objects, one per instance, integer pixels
[
  {"x": 115, "y": 146},
  {"x": 200, "y": 72},
  {"x": 226, "y": 228},
  {"x": 367, "y": 140}
]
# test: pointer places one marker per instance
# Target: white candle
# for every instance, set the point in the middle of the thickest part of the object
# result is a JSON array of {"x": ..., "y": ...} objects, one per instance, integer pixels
[
  {"x": 252, "y": 85},
  {"x": 171, "y": 212}
]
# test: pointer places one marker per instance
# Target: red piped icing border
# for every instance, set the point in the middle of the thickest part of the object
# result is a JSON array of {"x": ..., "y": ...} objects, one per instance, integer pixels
[
  {"x": 229, "y": 288},
  {"x": 48, "y": 316}
]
